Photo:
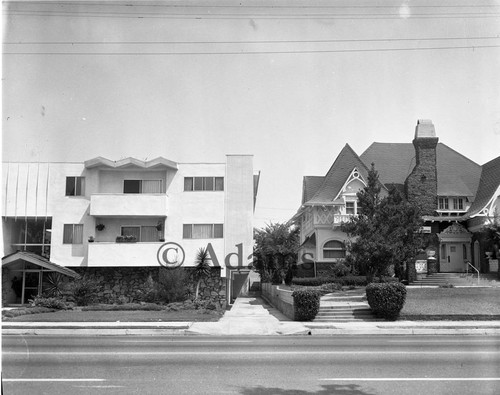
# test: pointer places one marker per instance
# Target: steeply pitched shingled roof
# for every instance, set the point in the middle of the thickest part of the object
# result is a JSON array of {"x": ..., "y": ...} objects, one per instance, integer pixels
[
  {"x": 457, "y": 175},
  {"x": 310, "y": 186},
  {"x": 338, "y": 174},
  {"x": 488, "y": 184}
]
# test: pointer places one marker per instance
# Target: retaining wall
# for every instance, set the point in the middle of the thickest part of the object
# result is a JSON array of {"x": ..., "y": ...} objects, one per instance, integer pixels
[{"x": 280, "y": 298}]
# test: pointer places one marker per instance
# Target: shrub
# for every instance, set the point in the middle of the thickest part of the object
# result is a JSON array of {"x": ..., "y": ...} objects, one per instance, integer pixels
[
  {"x": 124, "y": 307},
  {"x": 339, "y": 270},
  {"x": 84, "y": 290},
  {"x": 53, "y": 284},
  {"x": 311, "y": 281},
  {"x": 26, "y": 311},
  {"x": 172, "y": 285},
  {"x": 306, "y": 304},
  {"x": 386, "y": 299},
  {"x": 149, "y": 291},
  {"x": 49, "y": 302}
]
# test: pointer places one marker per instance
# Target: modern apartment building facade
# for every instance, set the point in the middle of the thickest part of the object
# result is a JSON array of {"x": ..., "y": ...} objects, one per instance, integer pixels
[{"x": 124, "y": 217}]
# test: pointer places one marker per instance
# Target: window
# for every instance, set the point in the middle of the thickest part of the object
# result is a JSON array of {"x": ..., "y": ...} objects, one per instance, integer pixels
[
  {"x": 350, "y": 208},
  {"x": 143, "y": 233},
  {"x": 333, "y": 249},
  {"x": 141, "y": 186},
  {"x": 75, "y": 186},
  {"x": 443, "y": 203},
  {"x": 203, "y": 183},
  {"x": 458, "y": 204},
  {"x": 203, "y": 231},
  {"x": 73, "y": 234}
]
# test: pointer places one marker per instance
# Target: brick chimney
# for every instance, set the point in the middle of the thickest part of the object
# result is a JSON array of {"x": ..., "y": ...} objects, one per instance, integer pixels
[{"x": 421, "y": 184}]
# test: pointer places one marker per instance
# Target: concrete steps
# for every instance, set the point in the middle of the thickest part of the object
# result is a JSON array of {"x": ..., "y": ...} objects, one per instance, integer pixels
[
  {"x": 344, "y": 307},
  {"x": 441, "y": 279},
  {"x": 345, "y": 313}
]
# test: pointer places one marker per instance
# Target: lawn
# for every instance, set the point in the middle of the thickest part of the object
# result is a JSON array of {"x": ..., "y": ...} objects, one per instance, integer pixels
[
  {"x": 79, "y": 315},
  {"x": 451, "y": 303}
]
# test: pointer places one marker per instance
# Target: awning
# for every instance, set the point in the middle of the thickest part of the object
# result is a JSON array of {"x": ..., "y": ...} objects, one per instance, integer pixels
[{"x": 38, "y": 260}]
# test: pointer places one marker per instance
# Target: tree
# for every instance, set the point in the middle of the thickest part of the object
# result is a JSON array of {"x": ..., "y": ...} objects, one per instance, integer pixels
[
  {"x": 275, "y": 251},
  {"x": 385, "y": 232},
  {"x": 202, "y": 268}
]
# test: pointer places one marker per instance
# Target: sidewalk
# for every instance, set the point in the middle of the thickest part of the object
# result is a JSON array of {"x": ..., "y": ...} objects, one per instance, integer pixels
[{"x": 254, "y": 317}]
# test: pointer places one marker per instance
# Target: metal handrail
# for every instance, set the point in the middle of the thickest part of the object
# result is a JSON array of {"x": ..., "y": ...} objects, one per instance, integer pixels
[{"x": 472, "y": 266}]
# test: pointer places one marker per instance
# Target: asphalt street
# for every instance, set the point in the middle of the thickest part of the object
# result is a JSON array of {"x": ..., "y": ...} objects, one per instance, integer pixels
[{"x": 357, "y": 365}]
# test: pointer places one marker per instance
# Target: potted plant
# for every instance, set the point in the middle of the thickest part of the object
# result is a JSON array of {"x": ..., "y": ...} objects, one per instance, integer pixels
[
  {"x": 100, "y": 227},
  {"x": 91, "y": 239},
  {"x": 159, "y": 226}
]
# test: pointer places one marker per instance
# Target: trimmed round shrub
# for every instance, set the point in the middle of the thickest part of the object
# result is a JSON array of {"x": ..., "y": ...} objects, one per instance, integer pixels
[
  {"x": 305, "y": 304},
  {"x": 386, "y": 299}
]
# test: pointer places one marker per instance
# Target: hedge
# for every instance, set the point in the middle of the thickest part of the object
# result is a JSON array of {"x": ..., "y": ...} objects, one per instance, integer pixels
[
  {"x": 386, "y": 299},
  {"x": 306, "y": 304},
  {"x": 358, "y": 281}
]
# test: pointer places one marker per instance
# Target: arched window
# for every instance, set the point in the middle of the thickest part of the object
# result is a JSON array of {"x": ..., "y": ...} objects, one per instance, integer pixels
[{"x": 333, "y": 249}]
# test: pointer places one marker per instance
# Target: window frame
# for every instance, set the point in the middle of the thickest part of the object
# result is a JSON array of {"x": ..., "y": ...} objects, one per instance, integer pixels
[
  {"x": 341, "y": 249},
  {"x": 74, "y": 188},
  {"x": 202, "y": 183},
  {"x": 216, "y": 232},
  {"x": 72, "y": 241}
]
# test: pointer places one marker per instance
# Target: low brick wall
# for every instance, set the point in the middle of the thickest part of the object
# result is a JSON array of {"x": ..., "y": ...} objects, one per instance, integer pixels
[{"x": 280, "y": 298}]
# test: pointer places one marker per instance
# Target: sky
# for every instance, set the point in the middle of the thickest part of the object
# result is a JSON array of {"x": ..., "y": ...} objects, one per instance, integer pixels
[{"x": 290, "y": 82}]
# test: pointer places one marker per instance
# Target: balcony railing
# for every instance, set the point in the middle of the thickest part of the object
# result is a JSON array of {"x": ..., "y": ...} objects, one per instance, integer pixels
[
  {"x": 340, "y": 218},
  {"x": 102, "y": 205}
]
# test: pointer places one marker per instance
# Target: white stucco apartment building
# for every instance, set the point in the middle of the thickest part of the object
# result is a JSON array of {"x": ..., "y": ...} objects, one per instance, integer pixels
[{"x": 126, "y": 216}]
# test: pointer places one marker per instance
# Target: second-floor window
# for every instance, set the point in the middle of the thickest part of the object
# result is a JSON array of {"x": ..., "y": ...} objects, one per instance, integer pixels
[
  {"x": 75, "y": 186},
  {"x": 141, "y": 186},
  {"x": 350, "y": 208},
  {"x": 456, "y": 203},
  {"x": 203, "y": 183},
  {"x": 73, "y": 234},
  {"x": 443, "y": 203},
  {"x": 141, "y": 233},
  {"x": 203, "y": 231}
]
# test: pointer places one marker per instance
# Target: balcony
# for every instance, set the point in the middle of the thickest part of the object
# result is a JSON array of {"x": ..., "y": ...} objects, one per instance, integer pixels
[
  {"x": 123, "y": 254},
  {"x": 113, "y": 205},
  {"x": 338, "y": 219}
]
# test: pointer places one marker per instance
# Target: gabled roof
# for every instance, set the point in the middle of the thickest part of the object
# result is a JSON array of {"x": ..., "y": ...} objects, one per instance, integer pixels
[
  {"x": 158, "y": 163},
  {"x": 336, "y": 177},
  {"x": 456, "y": 174},
  {"x": 489, "y": 183},
  {"x": 38, "y": 260}
]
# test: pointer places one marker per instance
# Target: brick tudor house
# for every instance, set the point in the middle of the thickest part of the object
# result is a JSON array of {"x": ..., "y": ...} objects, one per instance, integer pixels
[
  {"x": 458, "y": 198},
  {"x": 118, "y": 220}
]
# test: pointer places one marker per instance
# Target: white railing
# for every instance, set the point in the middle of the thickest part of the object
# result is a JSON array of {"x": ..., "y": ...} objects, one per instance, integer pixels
[{"x": 472, "y": 266}]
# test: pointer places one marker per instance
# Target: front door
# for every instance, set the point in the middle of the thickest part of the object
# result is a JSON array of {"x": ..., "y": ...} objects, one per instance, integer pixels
[{"x": 452, "y": 257}]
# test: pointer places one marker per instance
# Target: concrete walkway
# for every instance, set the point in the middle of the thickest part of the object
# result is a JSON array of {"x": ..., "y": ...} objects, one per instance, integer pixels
[{"x": 250, "y": 316}]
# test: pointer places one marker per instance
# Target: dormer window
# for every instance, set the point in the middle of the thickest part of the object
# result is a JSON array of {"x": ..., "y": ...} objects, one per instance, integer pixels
[{"x": 452, "y": 205}]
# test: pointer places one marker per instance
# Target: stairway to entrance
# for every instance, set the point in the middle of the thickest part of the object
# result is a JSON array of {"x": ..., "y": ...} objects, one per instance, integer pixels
[
  {"x": 455, "y": 279},
  {"x": 348, "y": 306}
]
